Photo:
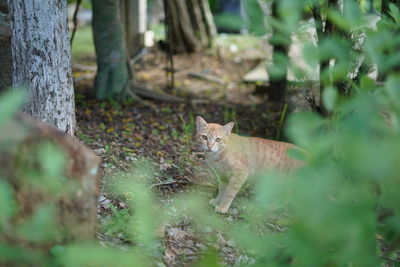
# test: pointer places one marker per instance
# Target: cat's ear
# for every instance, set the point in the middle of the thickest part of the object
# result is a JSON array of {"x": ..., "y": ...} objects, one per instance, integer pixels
[
  {"x": 228, "y": 127},
  {"x": 200, "y": 123}
]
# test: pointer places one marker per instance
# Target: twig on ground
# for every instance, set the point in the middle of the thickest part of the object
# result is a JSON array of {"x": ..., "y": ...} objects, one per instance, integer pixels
[
  {"x": 163, "y": 183},
  {"x": 147, "y": 93},
  {"x": 206, "y": 77}
]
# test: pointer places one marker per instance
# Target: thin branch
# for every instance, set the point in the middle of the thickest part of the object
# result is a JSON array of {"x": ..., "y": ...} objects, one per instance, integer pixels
[
  {"x": 147, "y": 93},
  {"x": 75, "y": 20},
  {"x": 168, "y": 182}
]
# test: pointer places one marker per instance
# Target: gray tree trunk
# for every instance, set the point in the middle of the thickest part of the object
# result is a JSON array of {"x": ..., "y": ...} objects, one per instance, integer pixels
[
  {"x": 5, "y": 47},
  {"x": 134, "y": 20},
  {"x": 208, "y": 19},
  {"x": 42, "y": 60},
  {"x": 112, "y": 76}
]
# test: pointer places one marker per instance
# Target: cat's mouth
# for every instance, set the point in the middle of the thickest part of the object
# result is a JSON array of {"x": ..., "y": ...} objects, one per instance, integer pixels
[{"x": 211, "y": 150}]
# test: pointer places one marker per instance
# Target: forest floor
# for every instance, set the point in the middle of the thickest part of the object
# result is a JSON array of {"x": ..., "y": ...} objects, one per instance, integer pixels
[{"x": 162, "y": 133}]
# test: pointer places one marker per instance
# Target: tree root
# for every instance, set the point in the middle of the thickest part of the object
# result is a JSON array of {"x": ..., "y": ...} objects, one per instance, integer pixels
[{"x": 137, "y": 90}]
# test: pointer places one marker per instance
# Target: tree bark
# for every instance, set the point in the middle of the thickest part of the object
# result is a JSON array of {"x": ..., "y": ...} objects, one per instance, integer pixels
[
  {"x": 112, "y": 76},
  {"x": 190, "y": 25},
  {"x": 323, "y": 32},
  {"x": 385, "y": 10},
  {"x": 280, "y": 42},
  {"x": 42, "y": 60},
  {"x": 134, "y": 18},
  {"x": 197, "y": 21},
  {"x": 5, "y": 45},
  {"x": 208, "y": 19}
]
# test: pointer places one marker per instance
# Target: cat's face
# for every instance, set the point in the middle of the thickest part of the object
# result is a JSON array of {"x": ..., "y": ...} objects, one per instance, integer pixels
[{"x": 212, "y": 137}]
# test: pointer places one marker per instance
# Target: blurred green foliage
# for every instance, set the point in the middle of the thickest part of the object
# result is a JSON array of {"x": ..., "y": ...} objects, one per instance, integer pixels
[
  {"x": 342, "y": 208},
  {"x": 84, "y": 3},
  {"x": 83, "y": 46}
]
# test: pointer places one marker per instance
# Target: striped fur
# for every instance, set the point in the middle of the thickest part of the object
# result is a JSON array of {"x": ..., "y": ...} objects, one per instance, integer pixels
[{"x": 236, "y": 157}]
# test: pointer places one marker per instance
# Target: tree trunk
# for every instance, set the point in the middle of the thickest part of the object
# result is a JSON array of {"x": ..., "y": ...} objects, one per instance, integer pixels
[
  {"x": 324, "y": 31},
  {"x": 134, "y": 20},
  {"x": 385, "y": 10},
  {"x": 280, "y": 42},
  {"x": 112, "y": 76},
  {"x": 385, "y": 6},
  {"x": 5, "y": 47},
  {"x": 190, "y": 25},
  {"x": 197, "y": 21},
  {"x": 42, "y": 60},
  {"x": 208, "y": 19}
]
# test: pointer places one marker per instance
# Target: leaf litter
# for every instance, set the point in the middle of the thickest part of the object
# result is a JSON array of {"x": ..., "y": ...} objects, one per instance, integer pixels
[{"x": 124, "y": 133}]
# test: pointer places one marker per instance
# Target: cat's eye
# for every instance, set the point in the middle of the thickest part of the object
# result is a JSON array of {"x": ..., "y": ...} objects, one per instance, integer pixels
[
  {"x": 204, "y": 137},
  {"x": 218, "y": 140}
]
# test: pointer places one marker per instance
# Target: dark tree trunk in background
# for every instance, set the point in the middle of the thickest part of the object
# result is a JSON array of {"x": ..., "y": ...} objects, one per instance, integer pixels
[
  {"x": 385, "y": 7},
  {"x": 385, "y": 10},
  {"x": 324, "y": 29},
  {"x": 112, "y": 76},
  {"x": 42, "y": 60},
  {"x": 198, "y": 22},
  {"x": 208, "y": 20},
  {"x": 190, "y": 24},
  {"x": 5, "y": 47},
  {"x": 280, "y": 42}
]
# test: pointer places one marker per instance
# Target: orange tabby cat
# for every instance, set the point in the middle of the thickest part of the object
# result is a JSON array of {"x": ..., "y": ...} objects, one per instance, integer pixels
[{"x": 237, "y": 157}]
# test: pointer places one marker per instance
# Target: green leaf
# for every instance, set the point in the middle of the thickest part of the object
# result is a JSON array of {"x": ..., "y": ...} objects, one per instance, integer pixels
[
  {"x": 41, "y": 226},
  {"x": 210, "y": 259},
  {"x": 395, "y": 12},
  {"x": 329, "y": 97},
  {"x": 7, "y": 203},
  {"x": 52, "y": 159},
  {"x": 310, "y": 55},
  {"x": 392, "y": 87},
  {"x": 9, "y": 104},
  {"x": 91, "y": 254},
  {"x": 229, "y": 21},
  {"x": 367, "y": 83}
]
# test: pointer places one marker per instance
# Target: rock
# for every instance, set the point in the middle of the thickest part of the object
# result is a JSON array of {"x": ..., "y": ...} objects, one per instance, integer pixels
[
  {"x": 244, "y": 260},
  {"x": 189, "y": 243},
  {"x": 52, "y": 174},
  {"x": 227, "y": 250},
  {"x": 100, "y": 151},
  {"x": 177, "y": 234},
  {"x": 200, "y": 246},
  {"x": 169, "y": 256},
  {"x": 220, "y": 239},
  {"x": 188, "y": 251},
  {"x": 230, "y": 243}
]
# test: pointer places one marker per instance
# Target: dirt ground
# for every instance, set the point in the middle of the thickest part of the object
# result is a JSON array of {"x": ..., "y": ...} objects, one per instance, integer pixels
[{"x": 123, "y": 133}]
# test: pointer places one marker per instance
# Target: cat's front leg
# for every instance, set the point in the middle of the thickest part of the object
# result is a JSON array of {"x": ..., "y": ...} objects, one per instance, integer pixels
[
  {"x": 228, "y": 195},
  {"x": 222, "y": 184}
]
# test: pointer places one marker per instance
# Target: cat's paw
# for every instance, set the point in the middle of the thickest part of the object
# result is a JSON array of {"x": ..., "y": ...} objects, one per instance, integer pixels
[
  {"x": 221, "y": 209},
  {"x": 213, "y": 202}
]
